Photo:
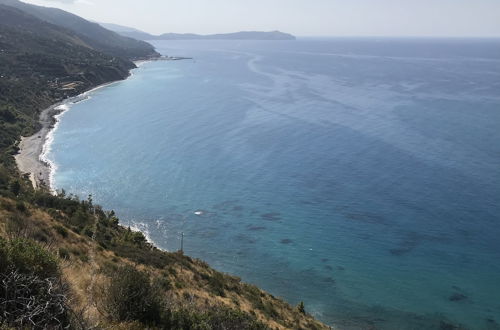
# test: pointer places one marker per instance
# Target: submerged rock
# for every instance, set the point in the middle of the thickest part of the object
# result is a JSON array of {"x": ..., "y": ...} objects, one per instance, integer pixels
[
  {"x": 273, "y": 216},
  {"x": 457, "y": 297}
]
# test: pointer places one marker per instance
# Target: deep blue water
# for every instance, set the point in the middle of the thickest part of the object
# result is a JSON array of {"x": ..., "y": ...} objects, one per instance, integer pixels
[{"x": 361, "y": 176}]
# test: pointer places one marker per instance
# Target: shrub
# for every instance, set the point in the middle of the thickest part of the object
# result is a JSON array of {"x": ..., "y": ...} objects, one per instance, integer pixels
[
  {"x": 88, "y": 231},
  {"x": 40, "y": 235},
  {"x": 21, "y": 207},
  {"x": 15, "y": 187},
  {"x": 216, "y": 283},
  {"x": 17, "y": 226},
  {"x": 26, "y": 257},
  {"x": 63, "y": 253},
  {"x": 84, "y": 258},
  {"x": 30, "y": 302},
  {"x": 31, "y": 294},
  {"x": 61, "y": 230},
  {"x": 163, "y": 282},
  {"x": 130, "y": 297},
  {"x": 214, "y": 318},
  {"x": 6, "y": 205}
]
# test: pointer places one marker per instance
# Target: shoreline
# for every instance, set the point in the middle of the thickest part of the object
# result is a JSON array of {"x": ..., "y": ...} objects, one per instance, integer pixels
[{"x": 31, "y": 158}]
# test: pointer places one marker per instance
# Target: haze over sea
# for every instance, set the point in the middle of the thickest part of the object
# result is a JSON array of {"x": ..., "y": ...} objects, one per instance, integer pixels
[{"x": 361, "y": 176}]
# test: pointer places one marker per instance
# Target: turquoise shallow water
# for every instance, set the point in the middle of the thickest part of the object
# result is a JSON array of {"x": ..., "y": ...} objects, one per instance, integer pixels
[{"x": 358, "y": 175}]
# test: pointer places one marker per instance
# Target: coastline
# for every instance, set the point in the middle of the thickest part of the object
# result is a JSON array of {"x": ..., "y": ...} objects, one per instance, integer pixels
[{"x": 31, "y": 158}]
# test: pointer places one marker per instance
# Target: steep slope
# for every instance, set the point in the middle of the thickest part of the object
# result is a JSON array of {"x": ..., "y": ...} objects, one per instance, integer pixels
[
  {"x": 92, "y": 34},
  {"x": 40, "y": 64},
  {"x": 103, "y": 265}
]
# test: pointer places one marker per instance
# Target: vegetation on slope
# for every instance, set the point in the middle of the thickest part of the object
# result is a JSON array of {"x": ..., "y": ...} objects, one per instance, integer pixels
[
  {"x": 41, "y": 64},
  {"x": 94, "y": 272}
]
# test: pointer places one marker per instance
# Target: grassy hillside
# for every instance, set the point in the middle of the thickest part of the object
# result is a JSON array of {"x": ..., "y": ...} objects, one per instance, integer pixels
[
  {"x": 110, "y": 276},
  {"x": 66, "y": 263}
]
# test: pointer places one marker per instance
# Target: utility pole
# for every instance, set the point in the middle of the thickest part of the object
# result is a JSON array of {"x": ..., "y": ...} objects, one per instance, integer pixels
[{"x": 182, "y": 242}]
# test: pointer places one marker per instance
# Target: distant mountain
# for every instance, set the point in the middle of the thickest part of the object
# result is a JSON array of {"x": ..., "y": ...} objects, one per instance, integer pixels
[
  {"x": 118, "y": 28},
  {"x": 245, "y": 35},
  {"x": 90, "y": 33}
]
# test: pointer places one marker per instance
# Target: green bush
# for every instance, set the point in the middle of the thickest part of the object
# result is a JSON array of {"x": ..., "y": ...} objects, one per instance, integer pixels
[
  {"x": 61, "y": 230},
  {"x": 216, "y": 283},
  {"x": 4, "y": 177},
  {"x": 130, "y": 297},
  {"x": 26, "y": 256},
  {"x": 21, "y": 207},
  {"x": 15, "y": 187}
]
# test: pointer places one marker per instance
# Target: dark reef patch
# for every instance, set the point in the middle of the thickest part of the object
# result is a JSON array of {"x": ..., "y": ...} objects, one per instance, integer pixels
[
  {"x": 412, "y": 239},
  {"x": 457, "y": 297},
  {"x": 246, "y": 239},
  {"x": 329, "y": 280},
  {"x": 491, "y": 321},
  {"x": 400, "y": 251},
  {"x": 367, "y": 218},
  {"x": 256, "y": 228},
  {"x": 410, "y": 242},
  {"x": 273, "y": 216},
  {"x": 444, "y": 325},
  {"x": 365, "y": 236}
]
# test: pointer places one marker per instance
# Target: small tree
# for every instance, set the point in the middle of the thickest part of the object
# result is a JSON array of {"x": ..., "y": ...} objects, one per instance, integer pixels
[
  {"x": 15, "y": 187},
  {"x": 301, "y": 308}
]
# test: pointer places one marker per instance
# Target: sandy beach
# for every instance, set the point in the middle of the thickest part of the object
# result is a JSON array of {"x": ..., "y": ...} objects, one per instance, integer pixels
[
  {"x": 28, "y": 159},
  {"x": 31, "y": 147}
]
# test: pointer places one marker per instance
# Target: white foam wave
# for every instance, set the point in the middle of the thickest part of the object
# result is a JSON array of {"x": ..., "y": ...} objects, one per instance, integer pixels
[
  {"x": 143, "y": 228},
  {"x": 49, "y": 139}
]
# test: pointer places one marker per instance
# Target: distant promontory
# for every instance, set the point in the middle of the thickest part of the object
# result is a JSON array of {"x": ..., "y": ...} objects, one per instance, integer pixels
[{"x": 244, "y": 35}]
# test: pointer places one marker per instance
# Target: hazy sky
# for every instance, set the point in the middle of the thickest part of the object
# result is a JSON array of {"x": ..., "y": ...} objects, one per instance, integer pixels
[{"x": 300, "y": 17}]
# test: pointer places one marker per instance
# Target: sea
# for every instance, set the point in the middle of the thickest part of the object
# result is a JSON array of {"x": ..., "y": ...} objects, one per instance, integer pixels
[{"x": 358, "y": 175}]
